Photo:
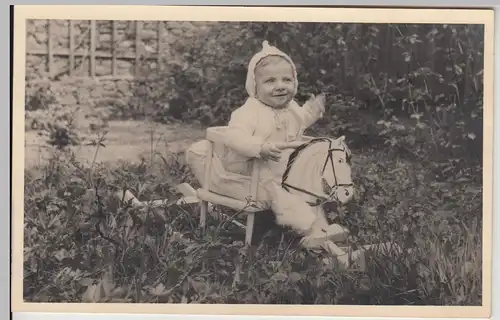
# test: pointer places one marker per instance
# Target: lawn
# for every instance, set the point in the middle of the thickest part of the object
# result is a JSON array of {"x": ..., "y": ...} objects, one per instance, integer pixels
[{"x": 82, "y": 244}]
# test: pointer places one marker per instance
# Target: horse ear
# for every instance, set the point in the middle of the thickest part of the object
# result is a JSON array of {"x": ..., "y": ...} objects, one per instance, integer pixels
[{"x": 342, "y": 138}]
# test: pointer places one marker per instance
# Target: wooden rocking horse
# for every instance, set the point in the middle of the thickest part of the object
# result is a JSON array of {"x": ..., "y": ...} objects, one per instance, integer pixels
[{"x": 318, "y": 171}]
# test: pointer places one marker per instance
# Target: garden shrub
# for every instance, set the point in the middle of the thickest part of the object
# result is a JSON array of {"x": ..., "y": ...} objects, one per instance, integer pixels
[
  {"x": 45, "y": 115},
  {"x": 412, "y": 88}
]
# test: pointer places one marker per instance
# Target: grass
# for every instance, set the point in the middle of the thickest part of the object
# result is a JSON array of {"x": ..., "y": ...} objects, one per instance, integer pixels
[{"x": 82, "y": 244}]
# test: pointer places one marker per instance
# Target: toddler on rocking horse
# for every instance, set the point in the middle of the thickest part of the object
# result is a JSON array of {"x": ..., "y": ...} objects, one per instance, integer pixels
[{"x": 264, "y": 128}]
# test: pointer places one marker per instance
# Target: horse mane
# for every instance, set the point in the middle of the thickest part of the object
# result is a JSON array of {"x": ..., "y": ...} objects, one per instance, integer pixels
[{"x": 306, "y": 165}]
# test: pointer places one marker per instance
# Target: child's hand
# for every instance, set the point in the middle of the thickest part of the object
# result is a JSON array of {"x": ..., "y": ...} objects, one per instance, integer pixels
[
  {"x": 318, "y": 102},
  {"x": 270, "y": 152}
]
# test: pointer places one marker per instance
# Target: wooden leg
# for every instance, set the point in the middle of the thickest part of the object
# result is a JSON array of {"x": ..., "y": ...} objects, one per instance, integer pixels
[
  {"x": 206, "y": 185},
  {"x": 203, "y": 213},
  {"x": 249, "y": 229},
  {"x": 253, "y": 192},
  {"x": 341, "y": 255},
  {"x": 359, "y": 260}
]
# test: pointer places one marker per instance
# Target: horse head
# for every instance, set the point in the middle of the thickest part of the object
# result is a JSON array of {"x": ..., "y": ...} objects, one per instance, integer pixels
[
  {"x": 336, "y": 180},
  {"x": 320, "y": 171}
]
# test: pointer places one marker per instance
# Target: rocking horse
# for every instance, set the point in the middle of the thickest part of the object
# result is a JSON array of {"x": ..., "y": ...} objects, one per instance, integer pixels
[{"x": 317, "y": 171}]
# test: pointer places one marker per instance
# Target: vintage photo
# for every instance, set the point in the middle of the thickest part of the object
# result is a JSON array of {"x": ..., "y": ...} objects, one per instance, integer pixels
[{"x": 289, "y": 162}]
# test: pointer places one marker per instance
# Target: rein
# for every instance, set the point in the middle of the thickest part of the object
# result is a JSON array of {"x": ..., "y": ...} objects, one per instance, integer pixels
[{"x": 320, "y": 199}]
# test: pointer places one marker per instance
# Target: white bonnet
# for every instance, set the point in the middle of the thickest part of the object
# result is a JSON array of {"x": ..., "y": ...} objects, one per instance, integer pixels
[{"x": 267, "y": 50}]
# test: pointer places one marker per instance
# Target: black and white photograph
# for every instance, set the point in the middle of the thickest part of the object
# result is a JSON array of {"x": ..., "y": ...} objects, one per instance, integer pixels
[{"x": 287, "y": 161}]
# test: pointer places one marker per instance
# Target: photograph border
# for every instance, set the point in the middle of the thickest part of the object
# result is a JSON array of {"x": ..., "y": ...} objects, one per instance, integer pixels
[{"x": 265, "y": 14}]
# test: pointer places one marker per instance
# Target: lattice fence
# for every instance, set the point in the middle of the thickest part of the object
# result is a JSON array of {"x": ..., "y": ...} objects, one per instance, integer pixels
[{"x": 83, "y": 49}]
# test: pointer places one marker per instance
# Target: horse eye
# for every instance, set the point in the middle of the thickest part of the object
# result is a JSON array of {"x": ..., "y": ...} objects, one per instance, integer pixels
[{"x": 341, "y": 160}]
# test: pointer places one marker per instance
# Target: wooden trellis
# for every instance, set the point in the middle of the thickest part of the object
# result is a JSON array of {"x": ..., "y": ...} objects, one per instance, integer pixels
[{"x": 71, "y": 53}]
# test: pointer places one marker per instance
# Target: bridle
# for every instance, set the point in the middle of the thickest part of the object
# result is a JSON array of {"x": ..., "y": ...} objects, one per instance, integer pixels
[{"x": 320, "y": 200}]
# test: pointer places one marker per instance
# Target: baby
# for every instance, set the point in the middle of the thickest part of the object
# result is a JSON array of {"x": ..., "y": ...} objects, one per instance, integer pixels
[{"x": 270, "y": 117}]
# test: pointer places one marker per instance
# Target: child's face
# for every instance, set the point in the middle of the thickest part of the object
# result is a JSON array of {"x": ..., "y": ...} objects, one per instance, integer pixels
[{"x": 275, "y": 82}]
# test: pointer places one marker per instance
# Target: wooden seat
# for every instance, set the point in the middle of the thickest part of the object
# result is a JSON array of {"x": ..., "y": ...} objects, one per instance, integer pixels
[{"x": 215, "y": 136}]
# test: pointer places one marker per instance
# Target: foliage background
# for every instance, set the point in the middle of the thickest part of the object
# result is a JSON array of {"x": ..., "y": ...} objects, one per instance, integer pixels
[{"x": 415, "y": 87}]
